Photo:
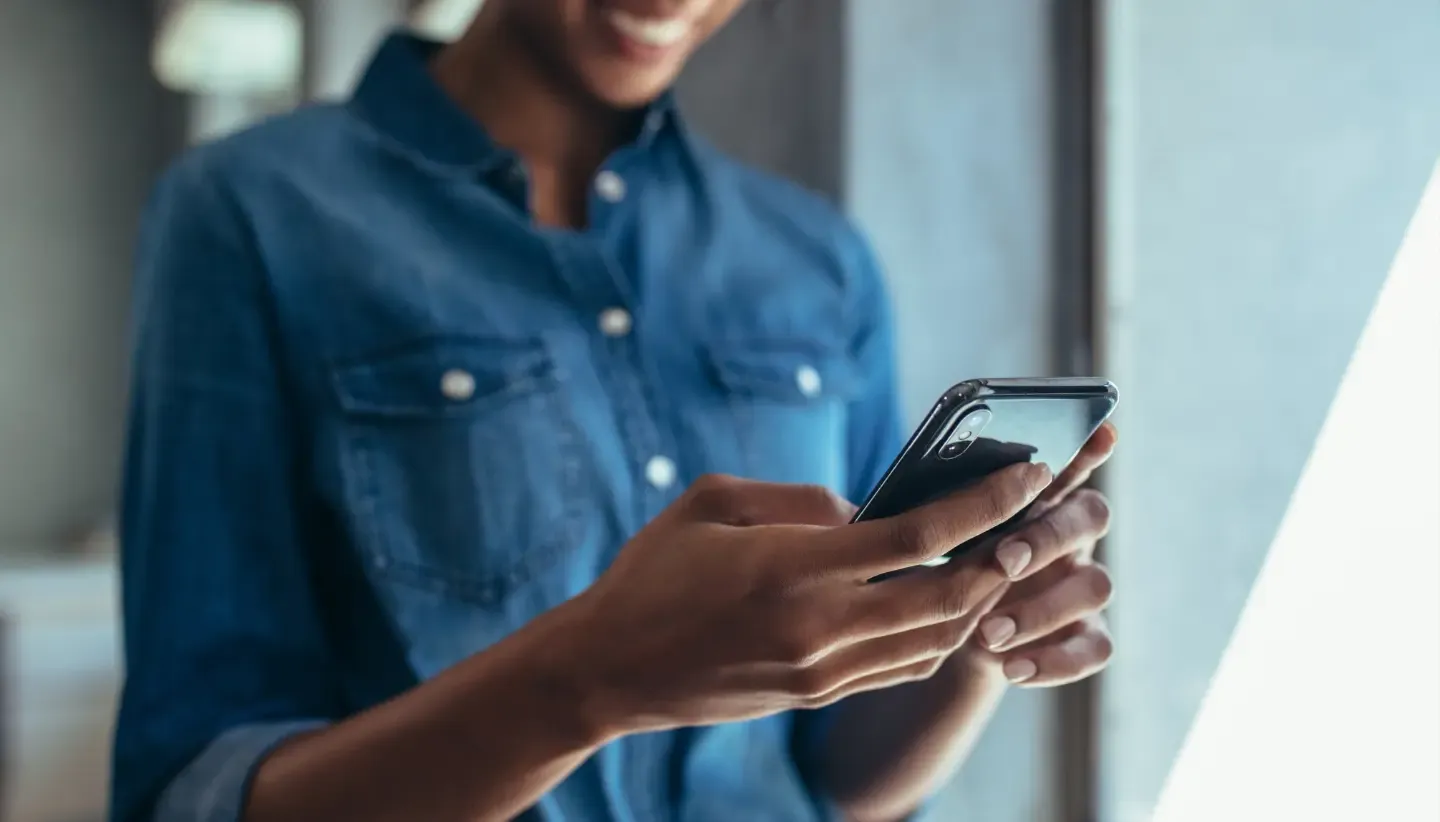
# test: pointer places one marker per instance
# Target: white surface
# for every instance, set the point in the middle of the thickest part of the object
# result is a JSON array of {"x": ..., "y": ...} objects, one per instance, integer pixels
[
  {"x": 1327, "y": 704},
  {"x": 62, "y": 668}
]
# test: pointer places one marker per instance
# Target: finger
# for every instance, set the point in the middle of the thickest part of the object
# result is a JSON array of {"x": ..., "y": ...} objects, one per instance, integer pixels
[
  {"x": 879, "y": 645},
  {"x": 1081, "y": 594},
  {"x": 1071, "y": 528},
  {"x": 1069, "y": 656},
  {"x": 868, "y": 549},
  {"x": 925, "y": 597},
  {"x": 914, "y": 672},
  {"x": 1093, "y": 455},
  {"x": 739, "y": 502},
  {"x": 873, "y": 664}
]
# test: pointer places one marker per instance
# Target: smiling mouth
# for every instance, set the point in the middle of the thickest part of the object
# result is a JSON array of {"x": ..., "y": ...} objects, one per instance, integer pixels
[{"x": 655, "y": 33}]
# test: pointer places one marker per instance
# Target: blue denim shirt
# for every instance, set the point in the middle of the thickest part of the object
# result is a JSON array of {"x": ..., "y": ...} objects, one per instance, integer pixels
[{"x": 381, "y": 419}]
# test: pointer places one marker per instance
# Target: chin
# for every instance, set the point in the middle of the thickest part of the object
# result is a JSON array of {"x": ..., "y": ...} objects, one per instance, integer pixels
[{"x": 625, "y": 87}]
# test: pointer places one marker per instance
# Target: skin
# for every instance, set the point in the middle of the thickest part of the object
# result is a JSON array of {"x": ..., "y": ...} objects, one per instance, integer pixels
[{"x": 742, "y": 599}]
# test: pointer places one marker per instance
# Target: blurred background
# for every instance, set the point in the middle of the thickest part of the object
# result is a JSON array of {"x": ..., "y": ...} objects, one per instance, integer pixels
[{"x": 1200, "y": 199}]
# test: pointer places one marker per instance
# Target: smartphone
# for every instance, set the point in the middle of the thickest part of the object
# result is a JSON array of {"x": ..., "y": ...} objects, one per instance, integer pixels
[{"x": 980, "y": 426}]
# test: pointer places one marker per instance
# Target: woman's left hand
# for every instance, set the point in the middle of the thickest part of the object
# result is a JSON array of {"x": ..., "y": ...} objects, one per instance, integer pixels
[{"x": 1048, "y": 629}]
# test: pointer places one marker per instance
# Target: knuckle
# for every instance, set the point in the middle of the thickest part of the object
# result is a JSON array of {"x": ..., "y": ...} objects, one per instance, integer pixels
[
  {"x": 914, "y": 537},
  {"x": 952, "y": 636},
  {"x": 1006, "y": 494},
  {"x": 1048, "y": 532},
  {"x": 1101, "y": 584},
  {"x": 1098, "y": 508},
  {"x": 823, "y": 498},
  {"x": 800, "y": 644},
  {"x": 1092, "y": 509},
  {"x": 929, "y": 668},
  {"x": 810, "y": 683},
  {"x": 953, "y": 600},
  {"x": 712, "y": 495},
  {"x": 1104, "y": 648},
  {"x": 961, "y": 633},
  {"x": 714, "y": 482},
  {"x": 820, "y": 700}
]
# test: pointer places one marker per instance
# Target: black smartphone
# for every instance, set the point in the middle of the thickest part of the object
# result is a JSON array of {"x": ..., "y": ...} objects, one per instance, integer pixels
[{"x": 981, "y": 426}]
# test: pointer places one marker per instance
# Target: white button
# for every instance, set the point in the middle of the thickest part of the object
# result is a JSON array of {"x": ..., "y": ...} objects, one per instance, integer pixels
[
  {"x": 807, "y": 379},
  {"x": 610, "y": 186},
  {"x": 660, "y": 471},
  {"x": 615, "y": 322},
  {"x": 458, "y": 385}
]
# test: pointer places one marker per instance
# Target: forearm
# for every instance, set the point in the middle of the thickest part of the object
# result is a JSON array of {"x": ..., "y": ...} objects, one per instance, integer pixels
[
  {"x": 886, "y": 751},
  {"x": 483, "y": 741}
]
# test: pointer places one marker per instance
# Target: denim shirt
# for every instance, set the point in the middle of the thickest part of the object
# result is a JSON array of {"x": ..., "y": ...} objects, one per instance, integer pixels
[{"x": 381, "y": 420}]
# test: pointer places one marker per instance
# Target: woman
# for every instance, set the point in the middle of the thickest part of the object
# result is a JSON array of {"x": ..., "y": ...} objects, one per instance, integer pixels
[{"x": 409, "y": 373}]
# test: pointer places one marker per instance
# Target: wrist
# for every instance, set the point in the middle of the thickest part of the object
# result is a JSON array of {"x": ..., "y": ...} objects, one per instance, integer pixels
[{"x": 563, "y": 662}]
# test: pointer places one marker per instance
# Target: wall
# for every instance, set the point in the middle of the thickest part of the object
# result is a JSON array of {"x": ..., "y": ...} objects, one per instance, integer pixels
[
  {"x": 1265, "y": 159},
  {"x": 83, "y": 131},
  {"x": 343, "y": 36},
  {"x": 83, "y": 128},
  {"x": 769, "y": 88},
  {"x": 947, "y": 167}
]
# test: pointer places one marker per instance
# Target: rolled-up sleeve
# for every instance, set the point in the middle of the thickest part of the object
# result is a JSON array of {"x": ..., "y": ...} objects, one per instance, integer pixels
[{"x": 226, "y": 656}]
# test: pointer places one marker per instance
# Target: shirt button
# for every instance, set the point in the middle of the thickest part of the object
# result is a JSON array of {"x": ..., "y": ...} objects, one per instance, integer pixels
[
  {"x": 807, "y": 379},
  {"x": 457, "y": 385},
  {"x": 610, "y": 186},
  {"x": 615, "y": 322},
  {"x": 660, "y": 472}
]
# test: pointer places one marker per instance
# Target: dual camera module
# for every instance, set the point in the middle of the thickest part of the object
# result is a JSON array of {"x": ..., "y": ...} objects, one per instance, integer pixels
[{"x": 971, "y": 423}]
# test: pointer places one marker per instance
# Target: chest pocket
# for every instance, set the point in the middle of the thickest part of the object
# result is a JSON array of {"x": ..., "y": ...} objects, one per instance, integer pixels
[
  {"x": 460, "y": 463},
  {"x": 787, "y": 399}
]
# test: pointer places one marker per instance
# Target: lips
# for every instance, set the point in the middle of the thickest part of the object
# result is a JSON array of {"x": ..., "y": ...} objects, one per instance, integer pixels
[{"x": 655, "y": 32}]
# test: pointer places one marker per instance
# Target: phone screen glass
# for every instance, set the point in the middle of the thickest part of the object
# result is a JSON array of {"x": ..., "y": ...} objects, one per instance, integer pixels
[{"x": 977, "y": 438}]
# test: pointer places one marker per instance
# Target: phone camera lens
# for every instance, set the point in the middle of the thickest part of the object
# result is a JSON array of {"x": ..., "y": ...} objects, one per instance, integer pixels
[{"x": 951, "y": 450}]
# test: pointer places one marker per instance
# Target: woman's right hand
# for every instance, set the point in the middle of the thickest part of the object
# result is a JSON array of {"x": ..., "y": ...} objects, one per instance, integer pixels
[{"x": 744, "y": 599}]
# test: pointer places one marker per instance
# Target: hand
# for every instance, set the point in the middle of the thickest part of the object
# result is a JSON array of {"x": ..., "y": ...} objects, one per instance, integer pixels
[
  {"x": 724, "y": 608},
  {"x": 1048, "y": 629}
]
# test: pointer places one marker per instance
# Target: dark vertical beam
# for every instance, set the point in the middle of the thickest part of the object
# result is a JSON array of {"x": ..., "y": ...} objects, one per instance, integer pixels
[
  {"x": 1075, "y": 89},
  {"x": 1077, "y": 143}
]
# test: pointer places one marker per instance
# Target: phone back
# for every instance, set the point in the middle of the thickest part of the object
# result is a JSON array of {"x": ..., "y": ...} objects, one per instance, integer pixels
[{"x": 981, "y": 426}]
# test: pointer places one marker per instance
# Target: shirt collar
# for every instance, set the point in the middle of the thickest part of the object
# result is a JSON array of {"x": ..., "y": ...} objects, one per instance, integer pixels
[{"x": 400, "y": 99}]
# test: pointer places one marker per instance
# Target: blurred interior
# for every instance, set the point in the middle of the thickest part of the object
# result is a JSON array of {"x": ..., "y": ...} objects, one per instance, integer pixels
[{"x": 1199, "y": 199}]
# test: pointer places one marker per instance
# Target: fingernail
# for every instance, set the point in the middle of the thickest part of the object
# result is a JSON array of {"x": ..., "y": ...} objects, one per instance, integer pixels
[
  {"x": 1041, "y": 475},
  {"x": 997, "y": 631},
  {"x": 1014, "y": 557},
  {"x": 1020, "y": 670}
]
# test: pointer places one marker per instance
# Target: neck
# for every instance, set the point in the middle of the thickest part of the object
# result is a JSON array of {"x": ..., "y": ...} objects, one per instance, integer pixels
[{"x": 523, "y": 104}]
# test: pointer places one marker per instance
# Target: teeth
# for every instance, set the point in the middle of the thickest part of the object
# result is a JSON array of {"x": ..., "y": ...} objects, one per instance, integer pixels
[{"x": 650, "y": 31}]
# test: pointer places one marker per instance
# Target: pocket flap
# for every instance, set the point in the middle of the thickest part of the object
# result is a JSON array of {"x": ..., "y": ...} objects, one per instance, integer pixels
[
  {"x": 441, "y": 377},
  {"x": 784, "y": 369}
]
